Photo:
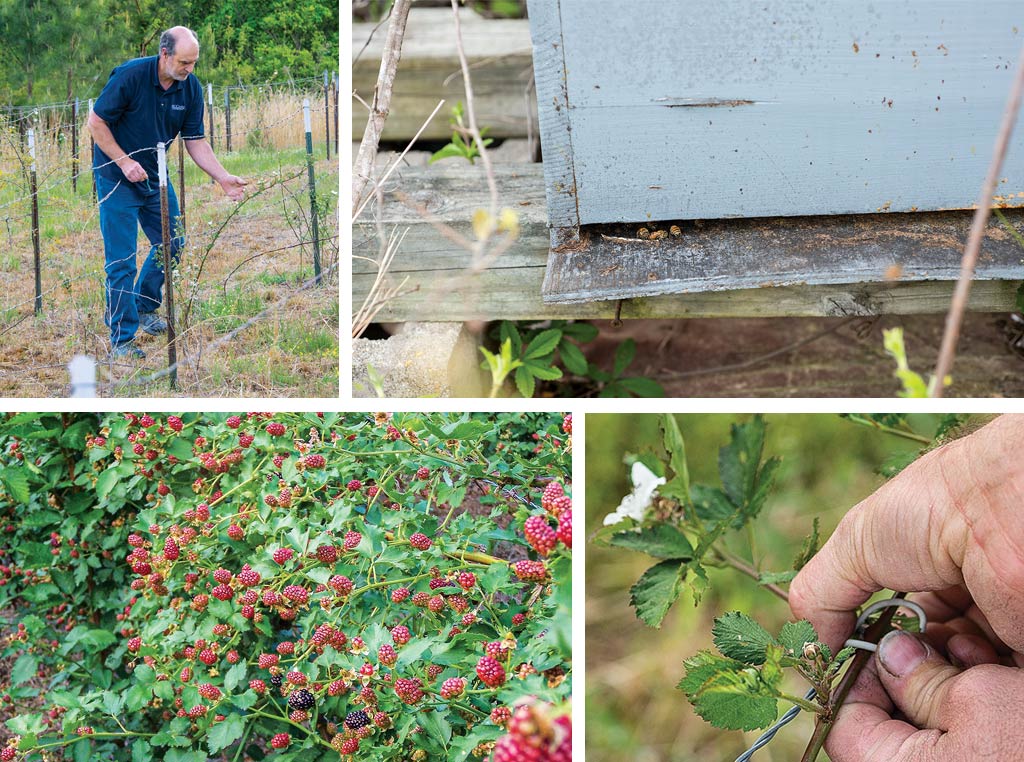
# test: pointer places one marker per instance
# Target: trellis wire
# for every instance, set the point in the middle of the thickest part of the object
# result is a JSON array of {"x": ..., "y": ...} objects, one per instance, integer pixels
[{"x": 765, "y": 738}]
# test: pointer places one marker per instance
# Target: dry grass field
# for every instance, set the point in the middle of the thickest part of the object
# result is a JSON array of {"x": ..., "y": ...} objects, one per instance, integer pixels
[{"x": 249, "y": 321}]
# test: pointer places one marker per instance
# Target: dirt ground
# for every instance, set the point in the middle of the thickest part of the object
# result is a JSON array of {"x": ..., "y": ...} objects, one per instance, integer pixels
[
  {"x": 253, "y": 266},
  {"x": 692, "y": 358}
]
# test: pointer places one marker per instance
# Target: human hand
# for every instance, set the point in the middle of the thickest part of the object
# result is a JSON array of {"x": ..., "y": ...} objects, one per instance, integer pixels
[
  {"x": 951, "y": 524},
  {"x": 234, "y": 187},
  {"x": 953, "y": 518},
  {"x": 132, "y": 169},
  {"x": 968, "y": 714}
]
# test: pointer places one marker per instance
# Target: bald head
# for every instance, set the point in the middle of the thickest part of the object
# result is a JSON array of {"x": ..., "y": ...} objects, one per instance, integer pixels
[
  {"x": 179, "y": 36},
  {"x": 179, "y": 51}
]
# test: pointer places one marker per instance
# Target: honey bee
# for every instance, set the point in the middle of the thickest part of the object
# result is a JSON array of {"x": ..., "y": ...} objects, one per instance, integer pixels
[
  {"x": 658, "y": 235},
  {"x": 674, "y": 231},
  {"x": 643, "y": 233}
]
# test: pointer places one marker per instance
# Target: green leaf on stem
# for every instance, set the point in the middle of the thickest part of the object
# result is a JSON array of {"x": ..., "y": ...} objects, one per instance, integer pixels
[
  {"x": 739, "y": 637},
  {"x": 678, "y": 486},
  {"x": 794, "y": 635},
  {"x": 728, "y": 693},
  {"x": 225, "y": 733},
  {"x": 656, "y": 591},
  {"x": 659, "y": 540}
]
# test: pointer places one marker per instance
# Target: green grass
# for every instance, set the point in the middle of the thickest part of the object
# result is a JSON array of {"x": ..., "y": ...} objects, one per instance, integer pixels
[{"x": 229, "y": 310}]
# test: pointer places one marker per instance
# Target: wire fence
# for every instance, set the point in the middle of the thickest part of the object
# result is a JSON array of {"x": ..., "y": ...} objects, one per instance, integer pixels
[{"x": 235, "y": 255}]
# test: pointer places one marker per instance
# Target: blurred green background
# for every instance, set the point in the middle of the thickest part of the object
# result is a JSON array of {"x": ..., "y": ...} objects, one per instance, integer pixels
[{"x": 633, "y": 710}]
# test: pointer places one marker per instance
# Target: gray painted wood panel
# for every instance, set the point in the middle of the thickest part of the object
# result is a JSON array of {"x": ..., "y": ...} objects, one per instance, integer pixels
[
  {"x": 705, "y": 109},
  {"x": 441, "y": 288}
]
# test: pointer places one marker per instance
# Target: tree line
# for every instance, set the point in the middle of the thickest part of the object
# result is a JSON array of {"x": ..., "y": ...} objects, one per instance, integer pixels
[{"x": 58, "y": 50}]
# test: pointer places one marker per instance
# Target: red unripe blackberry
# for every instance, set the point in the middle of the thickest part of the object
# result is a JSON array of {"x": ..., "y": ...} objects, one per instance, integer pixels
[
  {"x": 436, "y": 604},
  {"x": 337, "y": 687},
  {"x": 327, "y": 554},
  {"x": 422, "y": 473},
  {"x": 208, "y": 691},
  {"x": 302, "y": 700},
  {"x": 453, "y": 687},
  {"x": 136, "y": 541},
  {"x": 200, "y": 602},
  {"x": 501, "y": 715},
  {"x": 233, "y": 657},
  {"x": 567, "y": 424},
  {"x": 438, "y": 582},
  {"x": 420, "y": 599},
  {"x": 266, "y": 661},
  {"x": 315, "y": 461},
  {"x": 283, "y": 555},
  {"x": 357, "y": 719},
  {"x": 296, "y": 593},
  {"x": 399, "y": 594},
  {"x": 146, "y": 421},
  {"x": 236, "y": 532},
  {"x": 354, "y": 485},
  {"x": 466, "y": 580},
  {"x": 490, "y": 672},
  {"x": 350, "y": 746},
  {"x": 530, "y": 571},
  {"x": 171, "y": 550},
  {"x": 400, "y": 634},
  {"x": 565, "y": 528},
  {"x": 249, "y": 577},
  {"x": 275, "y": 429},
  {"x": 352, "y": 540},
  {"x": 518, "y": 619},
  {"x": 539, "y": 534},
  {"x": 134, "y": 644},
  {"x": 7, "y": 754},
  {"x": 340, "y": 584},
  {"x": 387, "y": 655},
  {"x": 197, "y": 711},
  {"x": 163, "y": 489},
  {"x": 223, "y": 593},
  {"x": 511, "y": 749},
  {"x": 258, "y": 685},
  {"x": 244, "y": 440},
  {"x": 281, "y": 740},
  {"x": 298, "y": 716},
  {"x": 207, "y": 657},
  {"x": 419, "y": 541},
  {"x": 409, "y": 691},
  {"x": 563, "y": 740},
  {"x": 222, "y": 576},
  {"x": 233, "y": 422},
  {"x": 297, "y": 678}
]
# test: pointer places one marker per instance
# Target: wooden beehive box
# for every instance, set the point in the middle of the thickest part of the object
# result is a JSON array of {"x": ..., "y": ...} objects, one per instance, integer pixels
[{"x": 788, "y": 142}]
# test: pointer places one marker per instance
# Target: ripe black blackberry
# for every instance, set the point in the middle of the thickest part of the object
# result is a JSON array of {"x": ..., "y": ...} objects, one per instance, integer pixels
[
  {"x": 302, "y": 700},
  {"x": 276, "y": 680},
  {"x": 357, "y": 719}
]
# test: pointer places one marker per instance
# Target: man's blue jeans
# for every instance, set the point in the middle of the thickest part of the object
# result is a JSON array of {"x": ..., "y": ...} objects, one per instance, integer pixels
[{"x": 124, "y": 207}]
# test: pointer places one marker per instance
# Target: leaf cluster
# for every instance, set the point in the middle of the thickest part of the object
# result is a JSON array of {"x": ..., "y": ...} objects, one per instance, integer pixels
[{"x": 700, "y": 516}]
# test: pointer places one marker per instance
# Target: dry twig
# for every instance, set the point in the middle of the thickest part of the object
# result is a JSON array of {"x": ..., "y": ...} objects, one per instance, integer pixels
[{"x": 955, "y": 316}]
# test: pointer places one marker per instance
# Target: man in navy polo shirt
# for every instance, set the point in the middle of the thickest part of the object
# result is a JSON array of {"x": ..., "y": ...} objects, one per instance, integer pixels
[{"x": 146, "y": 101}]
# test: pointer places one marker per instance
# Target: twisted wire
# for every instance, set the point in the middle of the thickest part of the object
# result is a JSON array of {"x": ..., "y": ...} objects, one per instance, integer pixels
[{"x": 765, "y": 738}]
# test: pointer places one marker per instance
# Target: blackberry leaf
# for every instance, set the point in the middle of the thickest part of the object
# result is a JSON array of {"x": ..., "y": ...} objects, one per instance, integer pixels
[
  {"x": 679, "y": 486},
  {"x": 656, "y": 591},
  {"x": 739, "y": 637},
  {"x": 794, "y": 635},
  {"x": 728, "y": 694},
  {"x": 660, "y": 541}
]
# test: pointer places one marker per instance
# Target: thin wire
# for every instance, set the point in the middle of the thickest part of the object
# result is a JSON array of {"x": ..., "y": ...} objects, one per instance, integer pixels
[{"x": 765, "y": 738}]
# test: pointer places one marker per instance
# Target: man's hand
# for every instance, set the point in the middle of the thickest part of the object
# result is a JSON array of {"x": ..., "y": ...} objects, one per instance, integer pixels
[
  {"x": 234, "y": 187},
  {"x": 132, "y": 169},
  {"x": 950, "y": 526}
]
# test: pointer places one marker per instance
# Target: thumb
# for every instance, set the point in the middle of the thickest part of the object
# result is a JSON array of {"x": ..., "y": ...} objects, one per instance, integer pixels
[{"x": 917, "y": 679}]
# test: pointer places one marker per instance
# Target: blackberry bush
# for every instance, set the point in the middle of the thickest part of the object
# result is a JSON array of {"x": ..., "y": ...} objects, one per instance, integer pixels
[{"x": 242, "y": 585}]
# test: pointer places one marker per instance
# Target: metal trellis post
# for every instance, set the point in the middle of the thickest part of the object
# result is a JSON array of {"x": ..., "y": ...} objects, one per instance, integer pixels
[
  {"x": 92, "y": 148},
  {"x": 181, "y": 185},
  {"x": 74, "y": 147},
  {"x": 165, "y": 224},
  {"x": 35, "y": 219},
  {"x": 227, "y": 118},
  {"x": 312, "y": 191},
  {"x": 327, "y": 116}
]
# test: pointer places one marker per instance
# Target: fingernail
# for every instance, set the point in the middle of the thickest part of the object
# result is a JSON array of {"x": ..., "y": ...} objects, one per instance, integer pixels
[{"x": 900, "y": 653}]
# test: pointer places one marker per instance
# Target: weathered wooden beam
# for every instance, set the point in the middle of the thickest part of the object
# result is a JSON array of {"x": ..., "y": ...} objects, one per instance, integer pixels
[
  {"x": 447, "y": 290},
  {"x": 501, "y": 65}
]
